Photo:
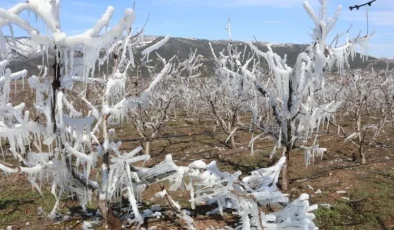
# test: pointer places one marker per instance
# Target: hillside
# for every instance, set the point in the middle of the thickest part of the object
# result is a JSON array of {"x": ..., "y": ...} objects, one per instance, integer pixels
[{"x": 24, "y": 54}]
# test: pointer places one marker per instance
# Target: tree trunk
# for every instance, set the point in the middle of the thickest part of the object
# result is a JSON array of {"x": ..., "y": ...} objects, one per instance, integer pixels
[
  {"x": 354, "y": 158},
  {"x": 175, "y": 114},
  {"x": 147, "y": 147},
  {"x": 362, "y": 155},
  {"x": 232, "y": 139},
  {"x": 114, "y": 223},
  {"x": 55, "y": 87},
  {"x": 361, "y": 136},
  {"x": 285, "y": 171}
]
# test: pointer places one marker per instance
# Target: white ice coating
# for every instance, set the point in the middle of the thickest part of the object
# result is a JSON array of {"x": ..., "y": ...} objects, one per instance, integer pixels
[
  {"x": 292, "y": 99},
  {"x": 91, "y": 41},
  {"x": 3, "y": 64},
  {"x": 7, "y": 169},
  {"x": 71, "y": 138},
  {"x": 208, "y": 185},
  {"x": 73, "y": 130},
  {"x": 101, "y": 23},
  {"x": 313, "y": 152},
  {"x": 159, "y": 77},
  {"x": 48, "y": 11},
  {"x": 14, "y": 125},
  {"x": 154, "y": 47},
  {"x": 213, "y": 186},
  {"x": 115, "y": 87}
]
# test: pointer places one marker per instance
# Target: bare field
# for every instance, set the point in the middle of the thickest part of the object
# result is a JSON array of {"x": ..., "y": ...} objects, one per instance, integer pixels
[{"x": 365, "y": 201}]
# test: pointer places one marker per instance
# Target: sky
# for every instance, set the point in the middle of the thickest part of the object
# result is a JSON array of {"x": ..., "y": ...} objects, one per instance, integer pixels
[{"x": 276, "y": 21}]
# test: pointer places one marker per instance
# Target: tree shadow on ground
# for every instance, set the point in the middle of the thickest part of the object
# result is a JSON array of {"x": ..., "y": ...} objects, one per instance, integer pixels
[
  {"x": 13, "y": 204},
  {"x": 245, "y": 168},
  {"x": 198, "y": 214}
]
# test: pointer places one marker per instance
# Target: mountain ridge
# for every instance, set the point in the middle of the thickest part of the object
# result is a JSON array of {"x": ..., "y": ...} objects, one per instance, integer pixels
[{"x": 24, "y": 54}]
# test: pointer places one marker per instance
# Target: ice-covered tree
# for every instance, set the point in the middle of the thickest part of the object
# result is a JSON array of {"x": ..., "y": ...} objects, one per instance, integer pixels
[
  {"x": 69, "y": 141},
  {"x": 149, "y": 118},
  {"x": 11, "y": 115},
  {"x": 368, "y": 102},
  {"x": 67, "y": 144},
  {"x": 229, "y": 92},
  {"x": 296, "y": 113}
]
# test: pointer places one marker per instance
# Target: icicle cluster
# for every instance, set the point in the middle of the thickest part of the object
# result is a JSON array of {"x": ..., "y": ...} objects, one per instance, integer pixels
[
  {"x": 232, "y": 90},
  {"x": 71, "y": 137},
  {"x": 292, "y": 100},
  {"x": 208, "y": 185}
]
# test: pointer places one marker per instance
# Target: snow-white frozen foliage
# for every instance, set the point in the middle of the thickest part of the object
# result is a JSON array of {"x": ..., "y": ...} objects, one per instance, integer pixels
[
  {"x": 66, "y": 142},
  {"x": 297, "y": 115}
]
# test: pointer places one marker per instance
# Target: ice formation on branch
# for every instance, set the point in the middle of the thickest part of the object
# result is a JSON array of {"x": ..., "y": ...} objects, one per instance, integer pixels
[
  {"x": 72, "y": 141},
  {"x": 292, "y": 101},
  {"x": 77, "y": 140},
  {"x": 232, "y": 89},
  {"x": 208, "y": 185},
  {"x": 368, "y": 97}
]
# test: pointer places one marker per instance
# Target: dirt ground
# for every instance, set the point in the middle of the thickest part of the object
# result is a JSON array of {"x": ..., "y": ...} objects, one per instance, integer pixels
[
  {"x": 350, "y": 195},
  {"x": 359, "y": 196}
]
